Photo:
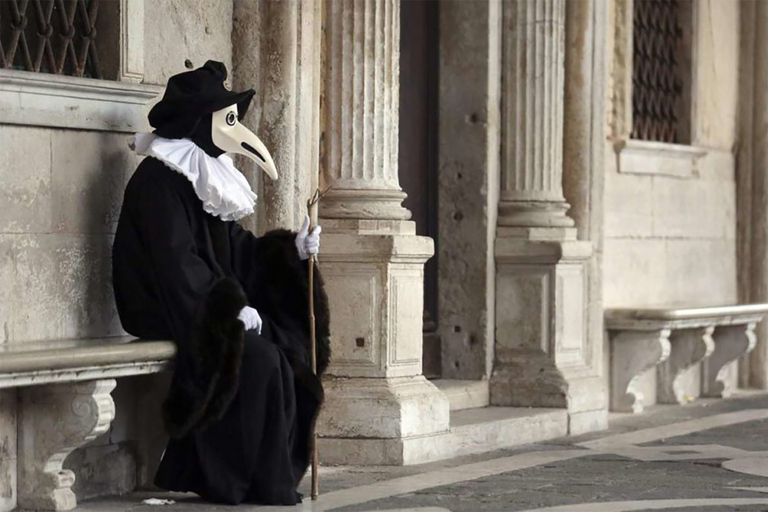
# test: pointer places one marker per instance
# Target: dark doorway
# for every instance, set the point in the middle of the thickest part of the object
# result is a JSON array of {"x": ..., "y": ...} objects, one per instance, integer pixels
[{"x": 419, "y": 67}]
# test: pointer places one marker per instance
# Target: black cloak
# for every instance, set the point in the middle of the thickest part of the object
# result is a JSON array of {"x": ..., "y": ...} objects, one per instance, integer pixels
[{"x": 241, "y": 405}]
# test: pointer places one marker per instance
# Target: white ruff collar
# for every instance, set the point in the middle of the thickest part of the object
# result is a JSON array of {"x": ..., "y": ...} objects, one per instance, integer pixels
[{"x": 223, "y": 190}]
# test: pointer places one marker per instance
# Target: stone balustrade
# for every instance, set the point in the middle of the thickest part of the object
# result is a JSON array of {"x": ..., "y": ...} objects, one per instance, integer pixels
[
  {"x": 673, "y": 340},
  {"x": 65, "y": 402}
]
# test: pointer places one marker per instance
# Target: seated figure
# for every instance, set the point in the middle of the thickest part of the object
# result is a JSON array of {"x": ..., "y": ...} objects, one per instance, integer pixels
[{"x": 243, "y": 398}]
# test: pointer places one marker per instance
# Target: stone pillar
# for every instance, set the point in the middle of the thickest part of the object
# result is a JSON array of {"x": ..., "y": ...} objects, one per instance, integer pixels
[
  {"x": 545, "y": 356},
  {"x": 752, "y": 181},
  {"x": 468, "y": 188},
  {"x": 276, "y": 50},
  {"x": 379, "y": 407},
  {"x": 532, "y": 116}
]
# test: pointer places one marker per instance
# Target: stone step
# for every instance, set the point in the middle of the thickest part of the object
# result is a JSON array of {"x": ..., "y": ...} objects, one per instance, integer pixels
[
  {"x": 491, "y": 428},
  {"x": 464, "y": 394}
]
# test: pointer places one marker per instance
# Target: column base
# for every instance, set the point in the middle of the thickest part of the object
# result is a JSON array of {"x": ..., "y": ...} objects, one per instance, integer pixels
[
  {"x": 382, "y": 421},
  {"x": 544, "y": 356},
  {"x": 386, "y": 204},
  {"x": 534, "y": 214}
]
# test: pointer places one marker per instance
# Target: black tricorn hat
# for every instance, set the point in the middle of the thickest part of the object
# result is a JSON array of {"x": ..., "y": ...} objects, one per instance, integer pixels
[{"x": 191, "y": 95}]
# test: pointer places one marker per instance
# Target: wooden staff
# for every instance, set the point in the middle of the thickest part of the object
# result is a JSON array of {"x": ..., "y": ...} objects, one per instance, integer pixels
[{"x": 312, "y": 212}]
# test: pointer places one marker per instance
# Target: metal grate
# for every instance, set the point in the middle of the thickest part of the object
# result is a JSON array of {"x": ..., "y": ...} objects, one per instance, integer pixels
[
  {"x": 657, "y": 86},
  {"x": 50, "y": 36}
]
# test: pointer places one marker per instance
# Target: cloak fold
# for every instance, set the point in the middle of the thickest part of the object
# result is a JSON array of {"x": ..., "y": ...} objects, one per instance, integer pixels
[
  {"x": 278, "y": 284},
  {"x": 241, "y": 404}
]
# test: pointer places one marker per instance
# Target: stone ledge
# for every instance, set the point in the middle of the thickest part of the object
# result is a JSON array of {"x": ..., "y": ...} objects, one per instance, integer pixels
[
  {"x": 659, "y": 158},
  {"x": 472, "y": 431},
  {"x": 464, "y": 394},
  {"x": 80, "y": 360},
  {"x": 39, "y": 99}
]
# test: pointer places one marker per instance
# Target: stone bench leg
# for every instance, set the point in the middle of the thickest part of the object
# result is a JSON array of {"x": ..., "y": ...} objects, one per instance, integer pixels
[
  {"x": 688, "y": 347},
  {"x": 731, "y": 342},
  {"x": 632, "y": 353},
  {"x": 54, "y": 420}
]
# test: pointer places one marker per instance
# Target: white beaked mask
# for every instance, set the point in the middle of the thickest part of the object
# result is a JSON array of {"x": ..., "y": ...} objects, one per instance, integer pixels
[{"x": 232, "y": 137}]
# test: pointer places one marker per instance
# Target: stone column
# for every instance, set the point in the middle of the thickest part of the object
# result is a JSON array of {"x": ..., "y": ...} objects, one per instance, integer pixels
[
  {"x": 361, "y": 111},
  {"x": 379, "y": 407},
  {"x": 532, "y": 116},
  {"x": 752, "y": 181},
  {"x": 544, "y": 355},
  {"x": 276, "y": 50}
]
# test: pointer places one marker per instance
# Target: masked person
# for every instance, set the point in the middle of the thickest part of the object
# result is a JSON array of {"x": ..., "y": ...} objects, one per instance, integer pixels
[{"x": 243, "y": 398}]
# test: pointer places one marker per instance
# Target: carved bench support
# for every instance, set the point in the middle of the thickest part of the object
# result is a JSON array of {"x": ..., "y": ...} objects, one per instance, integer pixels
[
  {"x": 54, "y": 421},
  {"x": 632, "y": 353},
  {"x": 731, "y": 342},
  {"x": 689, "y": 346}
]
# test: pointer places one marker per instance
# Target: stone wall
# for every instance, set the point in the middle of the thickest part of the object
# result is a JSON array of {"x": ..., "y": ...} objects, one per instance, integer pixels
[
  {"x": 671, "y": 239},
  {"x": 61, "y": 192}
]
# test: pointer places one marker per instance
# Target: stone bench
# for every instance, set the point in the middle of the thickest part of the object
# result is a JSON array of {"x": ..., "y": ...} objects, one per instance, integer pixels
[
  {"x": 64, "y": 402},
  {"x": 674, "y": 340}
]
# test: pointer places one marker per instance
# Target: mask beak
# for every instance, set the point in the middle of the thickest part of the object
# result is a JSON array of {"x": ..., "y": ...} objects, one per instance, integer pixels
[
  {"x": 232, "y": 137},
  {"x": 252, "y": 147}
]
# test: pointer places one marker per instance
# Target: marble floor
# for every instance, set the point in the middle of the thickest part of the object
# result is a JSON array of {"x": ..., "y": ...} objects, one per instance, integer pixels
[{"x": 709, "y": 456}]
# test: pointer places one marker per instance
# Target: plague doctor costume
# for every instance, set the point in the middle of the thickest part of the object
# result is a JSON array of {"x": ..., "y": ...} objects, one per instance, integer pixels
[{"x": 243, "y": 397}]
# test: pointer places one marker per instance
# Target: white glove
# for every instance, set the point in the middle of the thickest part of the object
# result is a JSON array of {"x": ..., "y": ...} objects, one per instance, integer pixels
[
  {"x": 250, "y": 318},
  {"x": 308, "y": 243}
]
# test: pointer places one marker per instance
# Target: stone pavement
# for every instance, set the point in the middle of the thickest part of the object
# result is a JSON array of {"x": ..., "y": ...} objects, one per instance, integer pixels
[{"x": 711, "y": 456}]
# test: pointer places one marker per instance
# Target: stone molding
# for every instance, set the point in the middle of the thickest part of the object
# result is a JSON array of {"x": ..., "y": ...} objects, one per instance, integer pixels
[
  {"x": 621, "y": 71},
  {"x": 54, "y": 421},
  {"x": 79, "y": 360},
  {"x": 131, "y": 41},
  {"x": 658, "y": 158},
  {"x": 38, "y": 99}
]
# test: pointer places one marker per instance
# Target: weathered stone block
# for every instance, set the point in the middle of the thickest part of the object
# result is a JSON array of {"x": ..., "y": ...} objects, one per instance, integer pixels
[
  {"x": 60, "y": 287},
  {"x": 25, "y": 172}
]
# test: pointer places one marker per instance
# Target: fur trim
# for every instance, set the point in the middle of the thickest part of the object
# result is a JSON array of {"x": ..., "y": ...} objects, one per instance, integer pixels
[
  {"x": 283, "y": 291},
  {"x": 202, "y": 393}
]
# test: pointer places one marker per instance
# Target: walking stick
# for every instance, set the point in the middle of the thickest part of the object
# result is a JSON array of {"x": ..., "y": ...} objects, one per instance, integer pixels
[{"x": 312, "y": 212}]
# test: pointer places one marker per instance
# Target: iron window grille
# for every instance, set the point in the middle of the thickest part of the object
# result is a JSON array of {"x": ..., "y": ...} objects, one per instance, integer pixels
[
  {"x": 661, "y": 74},
  {"x": 62, "y": 37}
]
